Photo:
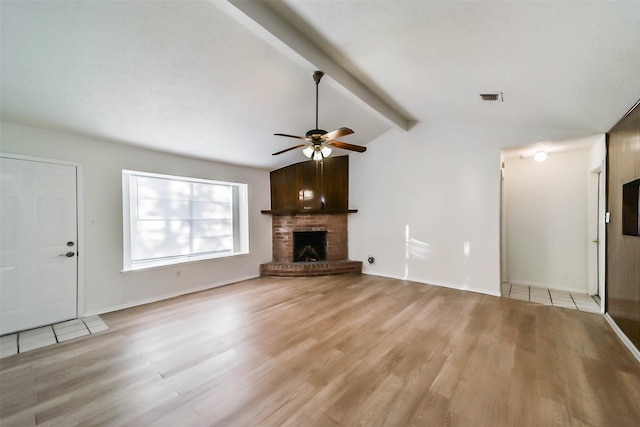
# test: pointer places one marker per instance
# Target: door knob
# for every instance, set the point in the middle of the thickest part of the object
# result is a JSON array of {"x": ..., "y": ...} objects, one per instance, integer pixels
[{"x": 68, "y": 254}]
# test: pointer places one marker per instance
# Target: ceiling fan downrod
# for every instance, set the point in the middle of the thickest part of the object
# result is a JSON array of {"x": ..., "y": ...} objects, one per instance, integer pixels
[{"x": 317, "y": 76}]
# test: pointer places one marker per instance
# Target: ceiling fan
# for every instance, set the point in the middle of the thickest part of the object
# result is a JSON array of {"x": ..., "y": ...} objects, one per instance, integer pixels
[{"x": 318, "y": 141}]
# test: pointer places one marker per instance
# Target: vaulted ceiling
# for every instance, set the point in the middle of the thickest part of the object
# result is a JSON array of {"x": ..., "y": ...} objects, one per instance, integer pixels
[{"x": 216, "y": 79}]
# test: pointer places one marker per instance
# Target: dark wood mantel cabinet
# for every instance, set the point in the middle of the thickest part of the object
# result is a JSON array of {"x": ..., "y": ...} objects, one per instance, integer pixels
[{"x": 311, "y": 187}]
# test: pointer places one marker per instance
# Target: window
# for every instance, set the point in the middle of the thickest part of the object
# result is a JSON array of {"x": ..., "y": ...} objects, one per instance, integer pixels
[{"x": 171, "y": 219}]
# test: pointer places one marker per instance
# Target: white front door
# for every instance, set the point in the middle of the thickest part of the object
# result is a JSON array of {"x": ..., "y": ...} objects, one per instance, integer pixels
[{"x": 38, "y": 258}]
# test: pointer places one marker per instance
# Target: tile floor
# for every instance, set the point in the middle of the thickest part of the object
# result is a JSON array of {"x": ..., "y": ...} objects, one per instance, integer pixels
[
  {"x": 47, "y": 335},
  {"x": 564, "y": 299}
]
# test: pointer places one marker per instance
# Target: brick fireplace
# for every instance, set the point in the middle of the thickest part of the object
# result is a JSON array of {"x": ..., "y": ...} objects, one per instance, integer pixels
[
  {"x": 284, "y": 262},
  {"x": 310, "y": 207}
]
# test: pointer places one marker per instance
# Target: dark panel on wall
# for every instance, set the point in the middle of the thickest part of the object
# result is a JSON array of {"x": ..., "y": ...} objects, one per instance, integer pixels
[
  {"x": 336, "y": 184},
  {"x": 282, "y": 195},
  {"x": 623, "y": 250},
  {"x": 311, "y": 186}
]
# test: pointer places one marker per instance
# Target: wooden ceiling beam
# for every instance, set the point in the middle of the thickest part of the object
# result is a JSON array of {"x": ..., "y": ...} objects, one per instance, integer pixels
[{"x": 263, "y": 21}]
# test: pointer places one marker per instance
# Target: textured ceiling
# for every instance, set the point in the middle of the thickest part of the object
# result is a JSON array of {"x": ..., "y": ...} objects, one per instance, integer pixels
[{"x": 190, "y": 77}]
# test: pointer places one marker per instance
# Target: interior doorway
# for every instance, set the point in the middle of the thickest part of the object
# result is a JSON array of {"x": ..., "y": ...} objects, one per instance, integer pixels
[
  {"x": 596, "y": 234},
  {"x": 552, "y": 217},
  {"x": 39, "y": 225}
]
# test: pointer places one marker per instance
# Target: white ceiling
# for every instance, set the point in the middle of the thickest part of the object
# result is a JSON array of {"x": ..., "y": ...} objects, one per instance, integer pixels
[{"x": 204, "y": 79}]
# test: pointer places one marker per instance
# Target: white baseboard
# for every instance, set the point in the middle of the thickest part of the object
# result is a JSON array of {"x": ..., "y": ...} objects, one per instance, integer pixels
[
  {"x": 166, "y": 296},
  {"x": 623, "y": 337},
  {"x": 440, "y": 284}
]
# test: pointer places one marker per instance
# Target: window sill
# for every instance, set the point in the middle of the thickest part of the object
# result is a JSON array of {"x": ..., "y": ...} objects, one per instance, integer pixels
[{"x": 155, "y": 265}]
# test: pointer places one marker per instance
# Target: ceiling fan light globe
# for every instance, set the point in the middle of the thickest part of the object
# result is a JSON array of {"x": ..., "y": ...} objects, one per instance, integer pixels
[
  {"x": 308, "y": 151},
  {"x": 317, "y": 155},
  {"x": 326, "y": 151}
]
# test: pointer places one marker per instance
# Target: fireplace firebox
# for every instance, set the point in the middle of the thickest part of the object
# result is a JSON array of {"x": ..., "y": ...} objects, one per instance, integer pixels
[{"x": 309, "y": 246}]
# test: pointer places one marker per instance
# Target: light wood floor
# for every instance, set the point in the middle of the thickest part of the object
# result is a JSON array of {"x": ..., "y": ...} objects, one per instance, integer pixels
[{"x": 330, "y": 351}]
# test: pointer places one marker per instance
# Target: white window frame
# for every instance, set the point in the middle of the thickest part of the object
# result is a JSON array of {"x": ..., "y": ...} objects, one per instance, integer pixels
[{"x": 240, "y": 222}]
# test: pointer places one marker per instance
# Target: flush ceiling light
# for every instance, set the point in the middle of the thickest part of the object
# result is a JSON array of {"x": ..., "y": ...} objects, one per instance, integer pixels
[{"x": 540, "y": 156}]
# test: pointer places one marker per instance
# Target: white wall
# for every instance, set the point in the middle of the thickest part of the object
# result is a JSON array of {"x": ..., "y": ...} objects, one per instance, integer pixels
[
  {"x": 598, "y": 152},
  {"x": 104, "y": 287},
  {"x": 546, "y": 221},
  {"x": 442, "y": 183}
]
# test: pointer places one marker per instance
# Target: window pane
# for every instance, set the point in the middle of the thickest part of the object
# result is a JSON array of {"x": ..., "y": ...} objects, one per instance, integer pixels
[
  {"x": 208, "y": 192},
  {"x": 159, "y": 239},
  {"x": 212, "y": 228},
  {"x": 163, "y": 209},
  {"x": 160, "y": 188},
  {"x": 212, "y": 244},
  {"x": 211, "y": 210}
]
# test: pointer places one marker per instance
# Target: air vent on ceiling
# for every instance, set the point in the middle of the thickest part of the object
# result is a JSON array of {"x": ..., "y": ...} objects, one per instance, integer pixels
[{"x": 496, "y": 96}]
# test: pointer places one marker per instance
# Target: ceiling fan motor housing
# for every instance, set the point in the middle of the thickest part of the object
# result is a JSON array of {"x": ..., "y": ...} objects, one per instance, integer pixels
[{"x": 315, "y": 134}]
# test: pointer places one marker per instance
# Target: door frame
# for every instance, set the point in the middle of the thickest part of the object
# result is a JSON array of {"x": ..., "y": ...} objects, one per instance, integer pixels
[
  {"x": 596, "y": 224},
  {"x": 80, "y": 305}
]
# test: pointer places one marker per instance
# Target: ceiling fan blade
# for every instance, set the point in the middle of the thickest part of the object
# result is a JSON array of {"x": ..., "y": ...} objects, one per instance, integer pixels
[
  {"x": 290, "y": 136},
  {"x": 345, "y": 146},
  {"x": 330, "y": 136},
  {"x": 289, "y": 149}
]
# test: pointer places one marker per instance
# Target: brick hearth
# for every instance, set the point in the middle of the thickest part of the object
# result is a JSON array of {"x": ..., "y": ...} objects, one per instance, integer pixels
[{"x": 308, "y": 269}]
